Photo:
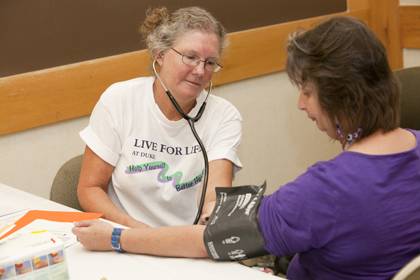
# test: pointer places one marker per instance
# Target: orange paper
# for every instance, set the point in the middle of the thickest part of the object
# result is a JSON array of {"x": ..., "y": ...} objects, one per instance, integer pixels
[{"x": 56, "y": 216}]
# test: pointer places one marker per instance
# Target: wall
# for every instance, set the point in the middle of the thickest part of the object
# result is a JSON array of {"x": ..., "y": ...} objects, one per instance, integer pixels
[
  {"x": 411, "y": 56},
  {"x": 278, "y": 143},
  {"x": 275, "y": 144},
  {"x": 68, "y": 31}
]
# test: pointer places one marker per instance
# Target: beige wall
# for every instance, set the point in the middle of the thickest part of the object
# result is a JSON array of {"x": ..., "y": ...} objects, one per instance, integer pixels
[
  {"x": 278, "y": 141},
  {"x": 410, "y": 2},
  {"x": 411, "y": 57},
  {"x": 30, "y": 159}
]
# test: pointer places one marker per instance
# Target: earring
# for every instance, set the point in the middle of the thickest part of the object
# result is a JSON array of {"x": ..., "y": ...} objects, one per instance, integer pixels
[
  {"x": 350, "y": 138},
  {"x": 353, "y": 136}
]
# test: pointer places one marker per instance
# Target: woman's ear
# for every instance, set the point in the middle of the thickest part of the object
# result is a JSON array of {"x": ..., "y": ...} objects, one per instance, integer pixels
[{"x": 159, "y": 58}]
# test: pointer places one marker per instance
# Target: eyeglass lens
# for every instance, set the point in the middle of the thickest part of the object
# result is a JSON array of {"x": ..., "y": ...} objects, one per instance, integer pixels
[{"x": 194, "y": 61}]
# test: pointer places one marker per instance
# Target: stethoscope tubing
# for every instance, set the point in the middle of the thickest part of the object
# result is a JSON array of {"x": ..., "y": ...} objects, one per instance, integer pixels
[{"x": 191, "y": 121}]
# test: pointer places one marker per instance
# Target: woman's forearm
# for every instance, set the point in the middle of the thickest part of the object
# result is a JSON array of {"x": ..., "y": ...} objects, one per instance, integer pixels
[
  {"x": 94, "y": 199},
  {"x": 179, "y": 241}
]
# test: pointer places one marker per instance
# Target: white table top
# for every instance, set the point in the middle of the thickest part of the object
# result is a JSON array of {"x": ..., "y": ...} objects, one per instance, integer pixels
[{"x": 83, "y": 264}]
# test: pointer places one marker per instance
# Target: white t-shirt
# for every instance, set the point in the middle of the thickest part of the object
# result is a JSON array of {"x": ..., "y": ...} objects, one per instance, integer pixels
[{"x": 158, "y": 163}]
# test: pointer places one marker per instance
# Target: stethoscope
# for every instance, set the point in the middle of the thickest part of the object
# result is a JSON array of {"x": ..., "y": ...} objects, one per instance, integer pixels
[{"x": 191, "y": 121}]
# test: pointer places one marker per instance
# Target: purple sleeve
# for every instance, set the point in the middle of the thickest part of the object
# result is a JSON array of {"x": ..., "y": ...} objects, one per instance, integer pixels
[{"x": 300, "y": 215}]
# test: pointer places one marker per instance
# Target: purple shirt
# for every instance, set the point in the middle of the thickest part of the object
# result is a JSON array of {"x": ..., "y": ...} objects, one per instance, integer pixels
[{"x": 356, "y": 216}]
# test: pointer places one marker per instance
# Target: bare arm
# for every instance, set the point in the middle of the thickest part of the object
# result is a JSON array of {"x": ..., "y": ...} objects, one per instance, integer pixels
[
  {"x": 93, "y": 187},
  {"x": 220, "y": 175},
  {"x": 179, "y": 241}
]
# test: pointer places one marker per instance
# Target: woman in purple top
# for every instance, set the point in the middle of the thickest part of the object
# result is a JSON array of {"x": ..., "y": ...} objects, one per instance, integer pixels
[{"x": 356, "y": 216}]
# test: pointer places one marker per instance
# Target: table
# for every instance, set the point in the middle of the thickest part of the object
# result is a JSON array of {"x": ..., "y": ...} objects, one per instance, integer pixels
[{"x": 84, "y": 264}]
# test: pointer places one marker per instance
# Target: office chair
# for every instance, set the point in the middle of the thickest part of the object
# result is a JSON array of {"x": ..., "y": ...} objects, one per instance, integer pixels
[
  {"x": 411, "y": 271},
  {"x": 64, "y": 186},
  {"x": 409, "y": 79}
]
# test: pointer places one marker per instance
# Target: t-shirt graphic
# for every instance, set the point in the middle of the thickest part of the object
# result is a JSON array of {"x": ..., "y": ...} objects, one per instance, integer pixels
[{"x": 163, "y": 176}]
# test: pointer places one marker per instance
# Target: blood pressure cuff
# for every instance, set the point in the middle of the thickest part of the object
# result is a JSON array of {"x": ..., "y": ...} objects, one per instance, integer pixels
[{"x": 232, "y": 232}]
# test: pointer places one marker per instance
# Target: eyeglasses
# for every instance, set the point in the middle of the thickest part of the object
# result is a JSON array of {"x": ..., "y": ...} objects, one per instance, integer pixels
[{"x": 210, "y": 64}]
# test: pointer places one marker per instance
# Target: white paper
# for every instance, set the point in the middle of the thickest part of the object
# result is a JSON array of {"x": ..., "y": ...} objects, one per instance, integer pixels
[{"x": 61, "y": 230}]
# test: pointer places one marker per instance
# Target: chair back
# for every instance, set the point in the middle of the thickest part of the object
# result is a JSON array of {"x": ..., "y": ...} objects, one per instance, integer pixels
[
  {"x": 409, "y": 79},
  {"x": 64, "y": 186},
  {"x": 411, "y": 271}
]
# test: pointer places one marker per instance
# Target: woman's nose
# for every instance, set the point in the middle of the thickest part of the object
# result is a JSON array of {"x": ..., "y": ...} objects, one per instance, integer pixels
[
  {"x": 200, "y": 68},
  {"x": 301, "y": 104}
]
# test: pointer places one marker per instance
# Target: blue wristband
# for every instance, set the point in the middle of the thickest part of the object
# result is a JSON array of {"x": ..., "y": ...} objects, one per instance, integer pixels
[{"x": 116, "y": 240}]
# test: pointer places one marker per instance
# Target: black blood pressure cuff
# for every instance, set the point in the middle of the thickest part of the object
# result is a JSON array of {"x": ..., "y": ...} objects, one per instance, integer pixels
[{"x": 232, "y": 232}]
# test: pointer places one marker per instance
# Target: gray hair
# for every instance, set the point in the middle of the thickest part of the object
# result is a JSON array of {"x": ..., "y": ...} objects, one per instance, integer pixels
[{"x": 161, "y": 29}]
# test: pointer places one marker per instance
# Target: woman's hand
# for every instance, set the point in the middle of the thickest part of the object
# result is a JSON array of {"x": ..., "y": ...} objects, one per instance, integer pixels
[
  {"x": 205, "y": 214},
  {"x": 95, "y": 235}
]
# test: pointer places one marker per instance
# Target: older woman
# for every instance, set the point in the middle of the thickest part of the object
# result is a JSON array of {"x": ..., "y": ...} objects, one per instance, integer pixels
[
  {"x": 142, "y": 165},
  {"x": 356, "y": 216}
]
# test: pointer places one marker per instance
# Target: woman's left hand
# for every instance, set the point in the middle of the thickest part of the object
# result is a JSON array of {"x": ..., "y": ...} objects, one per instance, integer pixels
[
  {"x": 95, "y": 235},
  {"x": 207, "y": 210}
]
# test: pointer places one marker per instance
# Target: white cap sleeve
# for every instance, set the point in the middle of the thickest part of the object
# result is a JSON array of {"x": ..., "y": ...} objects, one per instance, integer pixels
[
  {"x": 226, "y": 141},
  {"x": 101, "y": 135}
]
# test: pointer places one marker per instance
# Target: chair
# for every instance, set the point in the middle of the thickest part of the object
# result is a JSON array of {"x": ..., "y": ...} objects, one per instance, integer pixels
[
  {"x": 64, "y": 186},
  {"x": 411, "y": 271},
  {"x": 409, "y": 79}
]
